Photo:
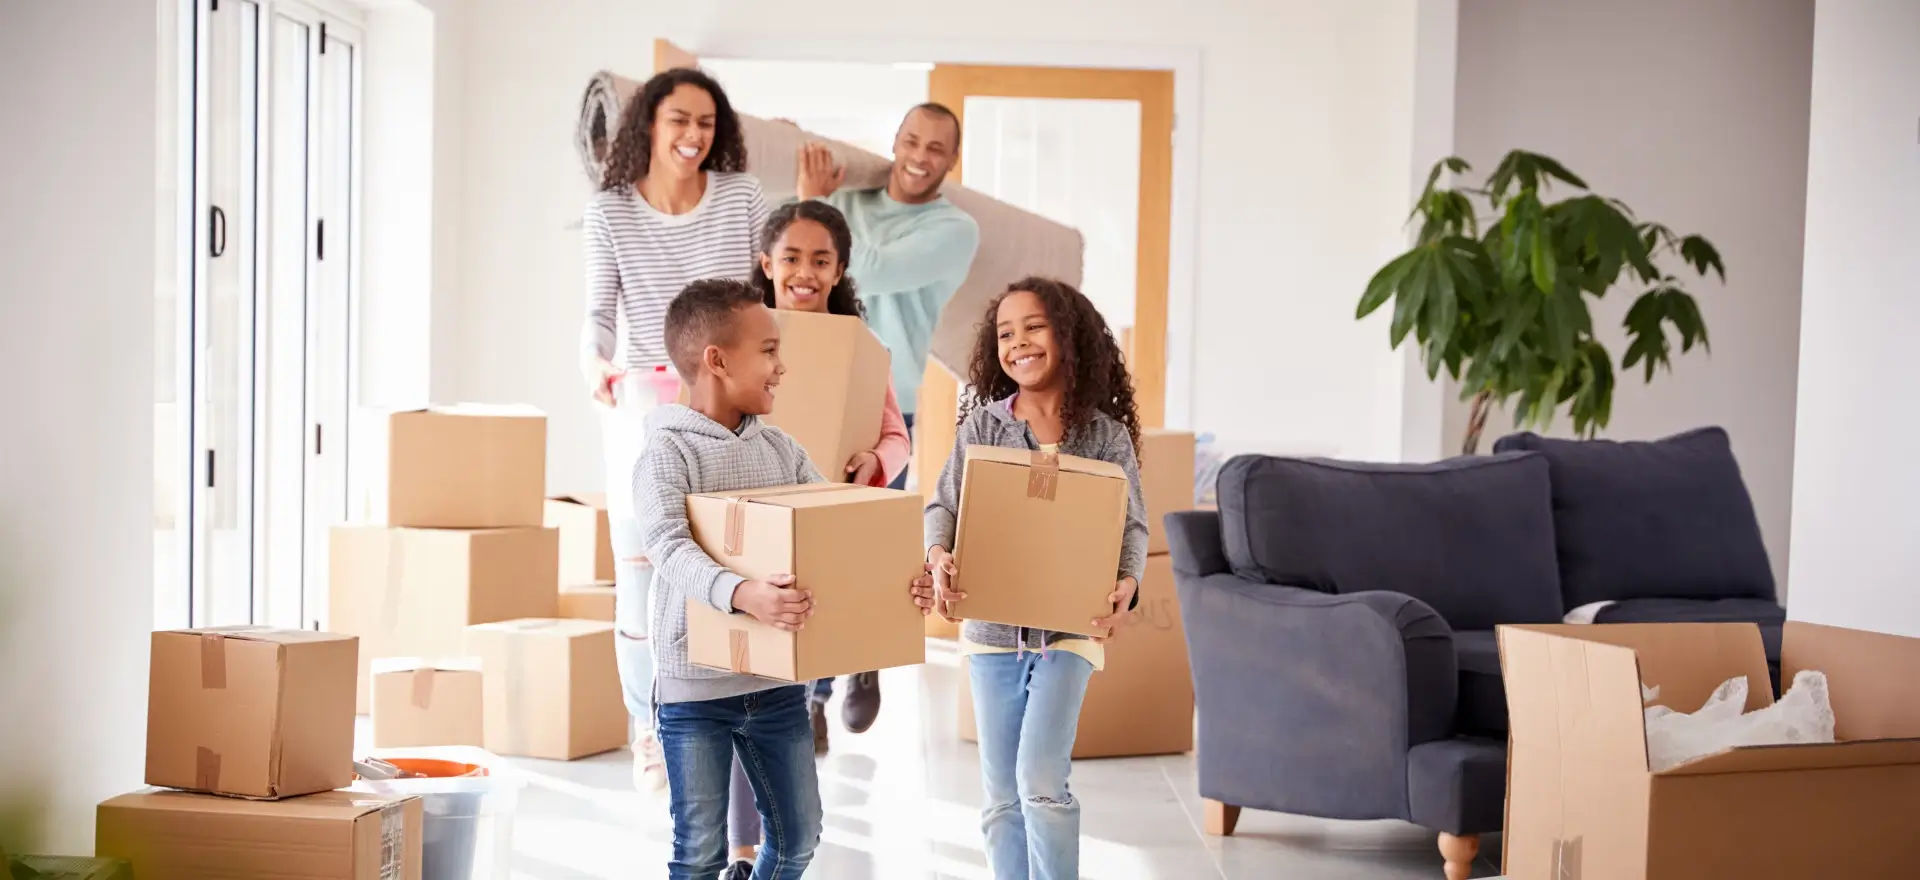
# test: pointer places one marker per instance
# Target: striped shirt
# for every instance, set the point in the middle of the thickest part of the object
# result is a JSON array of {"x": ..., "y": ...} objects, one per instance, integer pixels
[{"x": 639, "y": 259}]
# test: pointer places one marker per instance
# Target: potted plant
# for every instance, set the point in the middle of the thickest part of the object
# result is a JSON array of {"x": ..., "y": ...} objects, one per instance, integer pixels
[{"x": 1501, "y": 304}]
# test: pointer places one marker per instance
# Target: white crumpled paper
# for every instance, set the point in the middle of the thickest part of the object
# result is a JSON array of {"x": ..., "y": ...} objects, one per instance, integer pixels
[{"x": 1802, "y": 715}]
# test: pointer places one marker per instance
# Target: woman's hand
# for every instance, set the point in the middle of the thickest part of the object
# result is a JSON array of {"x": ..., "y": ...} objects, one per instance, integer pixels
[
  {"x": 775, "y": 602},
  {"x": 862, "y": 466},
  {"x": 922, "y": 590},
  {"x": 601, "y": 374},
  {"x": 818, "y": 174},
  {"x": 1105, "y": 628},
  {"x": 941, "y": 563}
]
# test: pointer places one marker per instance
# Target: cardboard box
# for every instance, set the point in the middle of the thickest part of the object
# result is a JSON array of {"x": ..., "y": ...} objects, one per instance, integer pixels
[
  {"x": 333, "y": 835},
  {"x": 1038, "y": 542},
  {"x": 1142, "y": 702},
  {"x": 468, "y": 466},
  {"x": 250, "y": 711},
  {"x": 1581, "y": 802},
  {"x": 587, "y": 602},
  {"x": 552, "y": 688},
  {"x": 857, "y": 548},
  {"x": 419, "y": 702},
  {"x": 835, "y": 388},
  {"x": 937, "y": 627},
  {"x": 1166, "y": 479},
  {"x": 586, "y": 549},
  {"x": 414, "y": 592}
]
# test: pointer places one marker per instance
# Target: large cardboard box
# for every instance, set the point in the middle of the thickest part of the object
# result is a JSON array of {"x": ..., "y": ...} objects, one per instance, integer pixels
[
  {"x": 414, "y": 592},
  {"x": 468, "y": 466},
  {"x": 1166, "y": 479},
  {"x": 1581, "y": 802},
  {"x": 586, "y": 547},
  {"x": 333, "y": 835},
  {"x": 250, "y": 711},
  {"x": 835, "y": 388},
  {"x": 1038, "y": 542},
  {"x": 587, "y": 602},
  {"x": 1142, "y": 702},
  {"x": 857, "y": 548},
  {"x": 551, "y": 688},
  {"x": 420, "y": 702}
]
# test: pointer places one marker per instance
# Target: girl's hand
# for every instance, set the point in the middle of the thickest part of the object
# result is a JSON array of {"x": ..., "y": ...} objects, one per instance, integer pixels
[
  {"x": 818, "y": 175},
  {"x": 601, "y": 374},
  {"x": 775, "y": 602},
  {"x": 862, "y": 466},
  {"x": 922, "y": 590},
  {"x": 940, "y": 562},
  {"x": 1105, "y": 628}
]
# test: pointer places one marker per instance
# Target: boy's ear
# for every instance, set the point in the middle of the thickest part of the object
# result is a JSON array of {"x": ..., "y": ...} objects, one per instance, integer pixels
[{"x": 714, "y": 360}]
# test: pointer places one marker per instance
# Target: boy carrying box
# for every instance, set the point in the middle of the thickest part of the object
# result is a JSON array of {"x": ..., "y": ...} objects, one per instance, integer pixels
[{"x": 726, "y": 347}]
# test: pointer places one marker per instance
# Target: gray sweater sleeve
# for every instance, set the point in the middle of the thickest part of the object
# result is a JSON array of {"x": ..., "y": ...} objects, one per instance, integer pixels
[
  {"x": 661, "y": 484},
  {"x": 1133, "y": 544},
  {"x": 943, "y": 512}
]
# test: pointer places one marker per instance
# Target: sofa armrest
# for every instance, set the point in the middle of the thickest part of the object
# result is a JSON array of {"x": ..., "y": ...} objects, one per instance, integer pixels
[
  {"x": 1309, "y": 701},
  {"x": 1193, "y": 537}
]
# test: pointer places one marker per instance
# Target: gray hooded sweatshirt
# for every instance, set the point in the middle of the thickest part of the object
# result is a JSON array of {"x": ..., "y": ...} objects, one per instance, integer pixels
[
  {"x": 1102, "y": 438},
  {"x": 688, "y": 453}
]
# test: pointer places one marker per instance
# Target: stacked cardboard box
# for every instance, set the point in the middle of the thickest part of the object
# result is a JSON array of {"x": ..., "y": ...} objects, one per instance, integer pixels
[
  {"x": 550, "y": 688},
  {"x": 453, "y": 534},
  {"x": 1142, "y": 702},
  {"x": 420, "y": 702},
  {"x": 586, "y": 543}
]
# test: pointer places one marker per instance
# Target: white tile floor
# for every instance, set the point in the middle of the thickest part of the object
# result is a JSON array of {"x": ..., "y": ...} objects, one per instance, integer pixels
[{"x": 919, "y": 818}]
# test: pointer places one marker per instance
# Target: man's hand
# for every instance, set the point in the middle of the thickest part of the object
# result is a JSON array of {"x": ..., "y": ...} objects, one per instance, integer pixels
[
  {"x": 818, "y": 175},
  {"x": 774, "y": 601},
  {"x": 862, "y": 466},
  {"x": 941, "y": 563},
  {"x": 1105, "y": 628},
  {"x": 600, "y": 374}
]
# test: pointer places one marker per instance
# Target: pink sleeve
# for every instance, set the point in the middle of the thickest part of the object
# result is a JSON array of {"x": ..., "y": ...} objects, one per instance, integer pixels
[{"x": 894, "y": 448}]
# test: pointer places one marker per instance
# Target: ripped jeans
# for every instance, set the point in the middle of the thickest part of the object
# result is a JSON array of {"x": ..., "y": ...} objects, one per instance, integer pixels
[{"x": 1027, "y": 709}]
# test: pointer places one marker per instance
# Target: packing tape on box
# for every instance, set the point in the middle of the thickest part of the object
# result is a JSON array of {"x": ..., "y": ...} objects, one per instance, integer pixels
[
  {"x": 213, "y": 661},
  {"x": 1566, "y": 859},
  {"x": 739, "y": 651},
  {"x": 390, "y": 588},
  {"x": 393, "y": 841},
  {"x": 206, "y": 769},
  {"x": 1043, "y": 476},
  {"x": 422, "y": 695},
  {"x": 732, "y": 543}
]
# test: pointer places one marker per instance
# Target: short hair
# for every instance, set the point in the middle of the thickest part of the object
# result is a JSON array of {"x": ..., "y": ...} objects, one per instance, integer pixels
[
  {"x": 702, "y": 315},
  {"x": 938, "y": 109}
]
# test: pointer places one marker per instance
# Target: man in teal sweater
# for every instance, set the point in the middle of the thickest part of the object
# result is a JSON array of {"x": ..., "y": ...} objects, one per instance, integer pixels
[{"x": 911, "y": 250}]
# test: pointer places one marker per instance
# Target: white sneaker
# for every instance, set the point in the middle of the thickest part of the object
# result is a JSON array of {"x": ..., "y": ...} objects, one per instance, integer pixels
[{"x": 649, "y": 765}]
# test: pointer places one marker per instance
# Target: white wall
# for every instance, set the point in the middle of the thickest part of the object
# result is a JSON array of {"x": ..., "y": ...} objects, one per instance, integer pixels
[
  {"x": 857, "y": 102},
  {"x": 77, "y": 242},
  {"x": 1303, "y": 166},
  {"x": 1695, "y": 114},
  {"x": 1856, "y": 532}
]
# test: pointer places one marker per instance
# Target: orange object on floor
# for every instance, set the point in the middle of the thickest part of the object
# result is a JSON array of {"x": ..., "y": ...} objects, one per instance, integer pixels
[{"x": 434, "y": 768}]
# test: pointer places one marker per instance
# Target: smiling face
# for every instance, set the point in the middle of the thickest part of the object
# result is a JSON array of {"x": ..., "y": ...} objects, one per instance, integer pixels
[
  {"x": 1026, "y": 346},
  {"x": 748, "y": 365},
  {"x": 804, "y": 266},
  {"x": 924, "y": 150},
  {"x": 683, "y": 130}
]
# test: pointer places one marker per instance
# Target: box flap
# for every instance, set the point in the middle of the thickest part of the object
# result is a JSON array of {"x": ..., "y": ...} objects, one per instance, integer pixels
[
  {"x": 845, "y": 493},
  {"x": 766, "y": 494},
  {"x": 1579, "y": 698},
  {"x": 1813, "y": 756},
  {"x": 265, "y": 634},
  {"x": 1686, "y": 661},
  {"x": 596, "y": 500},
  {"x": 340, "y": 805},
  {"x": 489, "y": 410},
  {"x": 1871, "y": 698},
  {"x": 1025, "y": 458},
  {"x": 384, "y": 665},
  {"x": 561, "y": 627}
]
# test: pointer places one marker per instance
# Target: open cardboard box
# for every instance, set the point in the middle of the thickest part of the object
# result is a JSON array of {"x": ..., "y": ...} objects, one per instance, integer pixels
[{"x": 1582, "y": 805}]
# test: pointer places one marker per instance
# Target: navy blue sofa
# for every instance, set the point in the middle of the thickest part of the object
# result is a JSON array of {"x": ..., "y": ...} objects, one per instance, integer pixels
[{"x": 1340, "y": 615}]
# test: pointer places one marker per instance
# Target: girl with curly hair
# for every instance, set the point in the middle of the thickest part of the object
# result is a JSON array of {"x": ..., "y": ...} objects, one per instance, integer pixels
[{"x": 1046, "y": 375}]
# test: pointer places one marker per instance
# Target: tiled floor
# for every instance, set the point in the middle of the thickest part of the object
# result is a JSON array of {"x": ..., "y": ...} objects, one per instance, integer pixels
[{"x": 902, "y": 802}]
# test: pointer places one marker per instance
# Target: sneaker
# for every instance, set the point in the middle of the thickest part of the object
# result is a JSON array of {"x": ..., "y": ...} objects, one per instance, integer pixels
[
  {"x": 741, "y": 870},
  {"x": 649, "y": 765},
  {"x": 817, "y": 713},
  {"x": 862, "y": 703}
]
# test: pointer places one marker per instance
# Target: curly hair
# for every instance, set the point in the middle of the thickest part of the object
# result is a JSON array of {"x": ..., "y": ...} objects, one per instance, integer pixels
[
  {"x": 844, "y": 298},
  {"x": 632, "y": 153},
  {"x": 1096, "y": 374}
]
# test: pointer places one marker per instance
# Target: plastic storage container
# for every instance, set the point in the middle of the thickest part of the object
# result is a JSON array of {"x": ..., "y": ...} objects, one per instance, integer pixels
[{"x": 469, "y": 796}]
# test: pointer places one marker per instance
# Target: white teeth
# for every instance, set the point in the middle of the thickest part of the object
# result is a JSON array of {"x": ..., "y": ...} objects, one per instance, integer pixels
[
  {"x": 687, "y": 152},
  {"x": 916, "y": 171}
]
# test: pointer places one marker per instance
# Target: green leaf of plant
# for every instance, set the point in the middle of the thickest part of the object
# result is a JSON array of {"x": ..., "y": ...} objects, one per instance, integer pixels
[
  {"x": 1406, "y": 307},
  {"x": 1384, "y": 282},
  {"x": 1701, "y": 255},
  {"x": 1543, "y": 266},
  {"x": 1557, "y": 170}
]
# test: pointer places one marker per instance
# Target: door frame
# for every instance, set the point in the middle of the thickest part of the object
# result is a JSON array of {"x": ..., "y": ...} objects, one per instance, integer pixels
[{"x": 1184, "y": 62}]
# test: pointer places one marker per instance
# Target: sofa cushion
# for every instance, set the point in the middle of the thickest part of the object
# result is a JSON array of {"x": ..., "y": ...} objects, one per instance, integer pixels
[
  {"x": 1458, "y": 786},
  {"x": 1482, "y": 708},
  {"x": 1471, "y": 537},
  {"x": 1642, "y": 520},
  {"x": 1765, "y": 612}
]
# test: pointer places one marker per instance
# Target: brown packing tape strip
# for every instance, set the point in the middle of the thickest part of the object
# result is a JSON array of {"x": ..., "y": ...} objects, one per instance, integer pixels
[
  {"x": 739, "y": 651},
  {"x": 390, "y": 585},
  {"x": 423, "y": 686},
  {"x": 213, "y": 661},
  {"x": 731, "y": 543},
  {"x": 1566, "y": 858},
  {"x": 206, "y": 769},
  {"x": 1043, "y": 476}
]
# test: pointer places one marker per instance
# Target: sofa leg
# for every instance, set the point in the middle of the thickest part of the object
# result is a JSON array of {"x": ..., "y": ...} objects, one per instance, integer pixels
[
  {"x": 1221, "y": 818},
  {"x": 1459, "y": 853}
]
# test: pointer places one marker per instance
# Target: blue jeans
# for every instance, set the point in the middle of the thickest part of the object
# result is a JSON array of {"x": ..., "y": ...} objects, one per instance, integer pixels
[
  {"x": 770, "y": 733},
  {"x": 1027, "y": 710}
]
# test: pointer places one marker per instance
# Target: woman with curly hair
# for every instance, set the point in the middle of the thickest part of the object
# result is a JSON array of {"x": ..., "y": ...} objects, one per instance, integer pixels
[
  {"x": 675, "y": 205},
  {"x": 1046, "y": 375}
]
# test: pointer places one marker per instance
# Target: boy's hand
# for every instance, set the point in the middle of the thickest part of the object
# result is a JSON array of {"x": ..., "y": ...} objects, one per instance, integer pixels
[
  {"x": 940, "y": 562},
  {"x": 1105, "y": 628},
  {"x": 774, "y": 602},
  {"x": 862, "y": 466},
  {"x": 922, "y": 590}
]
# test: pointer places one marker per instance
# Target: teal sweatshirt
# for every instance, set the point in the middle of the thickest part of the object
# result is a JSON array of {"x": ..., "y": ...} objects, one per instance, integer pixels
[{"x": 908, "y": 260}]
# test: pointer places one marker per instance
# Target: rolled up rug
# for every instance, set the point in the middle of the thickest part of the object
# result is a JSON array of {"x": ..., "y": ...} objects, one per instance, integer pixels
[{"x": 1014, "y": 243}]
